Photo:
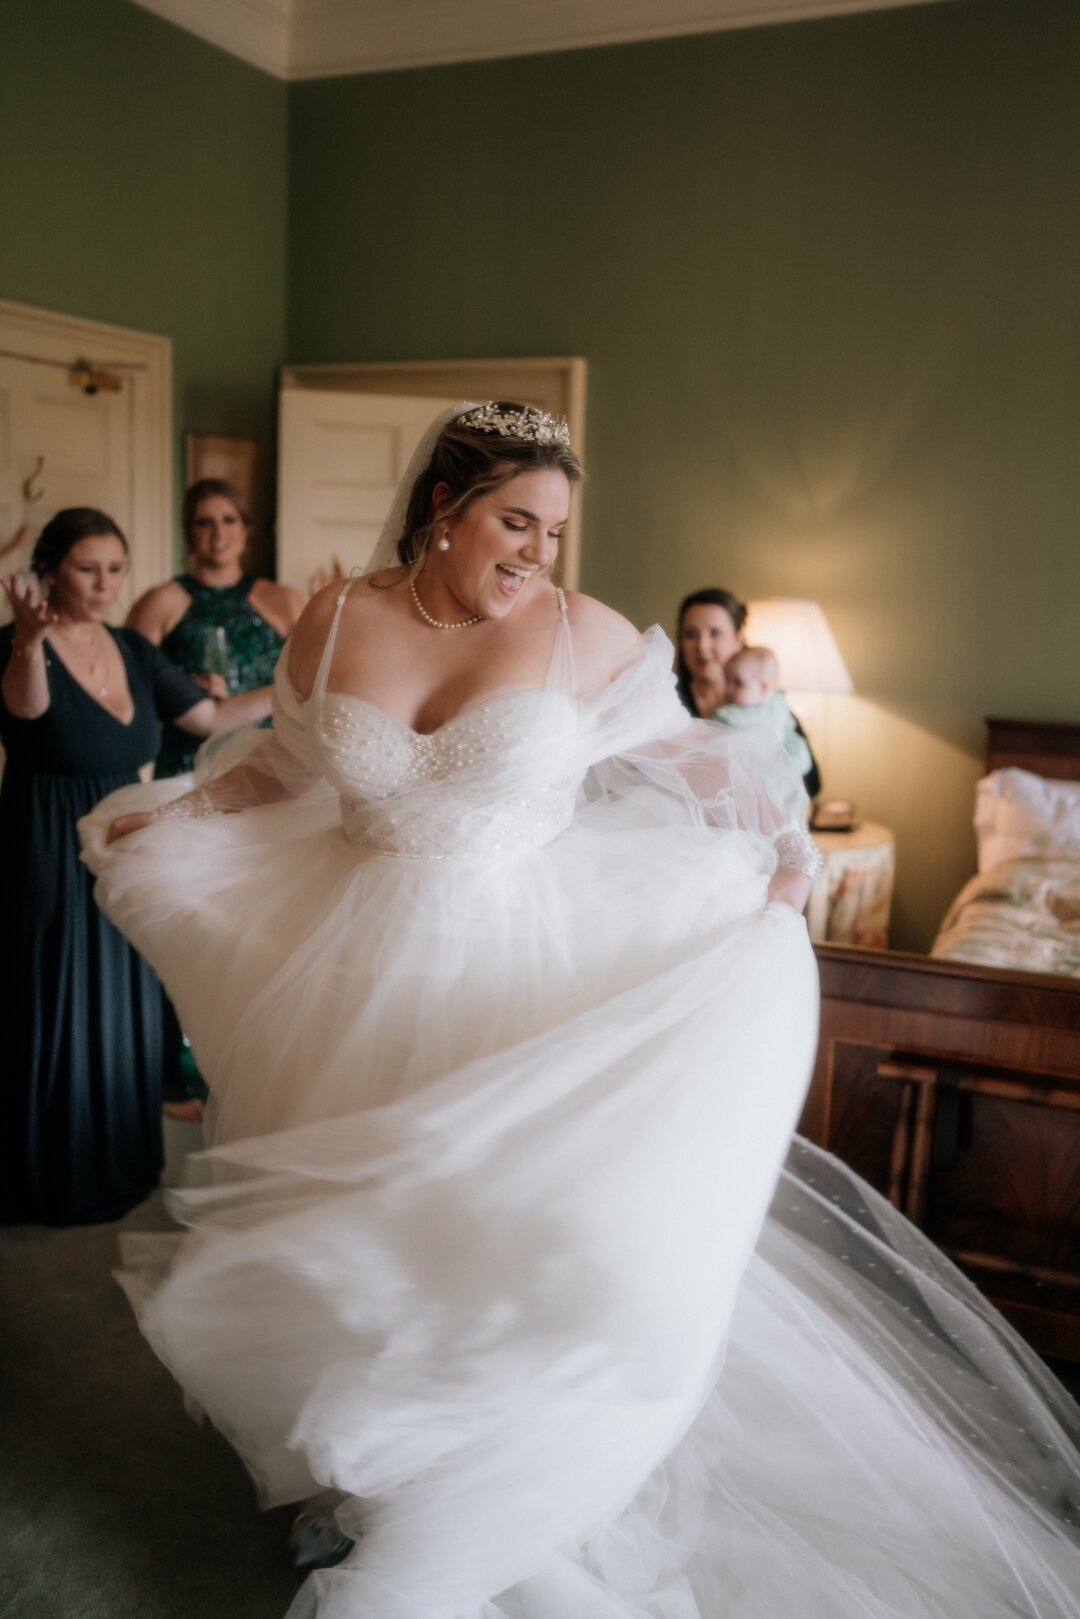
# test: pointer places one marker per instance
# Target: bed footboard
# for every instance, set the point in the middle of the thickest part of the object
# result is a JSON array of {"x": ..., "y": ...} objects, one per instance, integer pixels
[{"x": 955, "y": 1090}]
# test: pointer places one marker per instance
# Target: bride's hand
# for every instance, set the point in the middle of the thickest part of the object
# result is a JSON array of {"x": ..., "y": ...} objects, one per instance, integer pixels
[
  {"x": 789, "y": 887},
  {"x": 127, "y": 823}
]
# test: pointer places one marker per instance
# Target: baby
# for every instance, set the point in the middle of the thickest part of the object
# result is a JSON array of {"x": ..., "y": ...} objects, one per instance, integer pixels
[{"x": 753, "y": 699}]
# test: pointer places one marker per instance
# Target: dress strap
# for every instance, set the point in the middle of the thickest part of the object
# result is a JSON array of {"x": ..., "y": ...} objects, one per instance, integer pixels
[
  {"x": 328, "y": 650},
  {"x": 561, "y": 675}
]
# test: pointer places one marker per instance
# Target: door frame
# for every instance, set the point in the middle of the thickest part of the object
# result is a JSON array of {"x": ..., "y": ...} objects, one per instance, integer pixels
[
  {"x": 47, "y": 337},
  {"x": 556, "y": 383}
]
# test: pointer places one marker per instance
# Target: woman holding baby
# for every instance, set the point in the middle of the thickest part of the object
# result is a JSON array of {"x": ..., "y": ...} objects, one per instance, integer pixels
[{"x": 711, "y": 633}]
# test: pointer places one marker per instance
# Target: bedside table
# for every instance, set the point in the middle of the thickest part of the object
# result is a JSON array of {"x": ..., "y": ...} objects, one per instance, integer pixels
[{"x": 851, "y": 898}]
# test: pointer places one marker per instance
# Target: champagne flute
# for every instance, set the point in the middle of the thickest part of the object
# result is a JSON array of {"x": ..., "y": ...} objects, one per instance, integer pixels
[{"x": 215, "y": 655}]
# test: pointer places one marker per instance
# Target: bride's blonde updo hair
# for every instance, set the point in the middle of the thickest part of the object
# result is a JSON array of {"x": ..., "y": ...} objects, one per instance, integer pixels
[{"x": 477, "y": 452}]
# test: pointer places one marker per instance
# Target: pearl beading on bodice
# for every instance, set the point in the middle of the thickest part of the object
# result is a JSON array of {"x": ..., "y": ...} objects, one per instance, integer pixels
[
  {"x": 443, "y": 832},
  {"x": 383, "y": 771},
  {"x": 797, "y": 851}
]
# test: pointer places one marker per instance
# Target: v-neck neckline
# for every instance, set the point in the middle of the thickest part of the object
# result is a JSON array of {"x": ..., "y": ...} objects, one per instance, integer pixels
[{"x": 125, "y": 725}]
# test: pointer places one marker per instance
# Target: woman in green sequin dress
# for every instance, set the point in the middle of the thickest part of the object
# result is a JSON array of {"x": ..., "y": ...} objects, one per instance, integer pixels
[{"x": 214, "y": 593}]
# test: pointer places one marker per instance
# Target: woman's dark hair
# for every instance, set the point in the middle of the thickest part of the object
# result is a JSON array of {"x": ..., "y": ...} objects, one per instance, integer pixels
[
  {"x": 709, "y": 597},
  {"x": 472, "y": 462},
  {"x": 202, "y": 490},
  {"x": 66, "y": 529}
]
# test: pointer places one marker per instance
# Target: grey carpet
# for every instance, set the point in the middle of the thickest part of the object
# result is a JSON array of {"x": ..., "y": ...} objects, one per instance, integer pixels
[{"x": 114, "y": 1504}]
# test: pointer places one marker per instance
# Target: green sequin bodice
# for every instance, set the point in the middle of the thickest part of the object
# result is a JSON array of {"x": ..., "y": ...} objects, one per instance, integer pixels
[{"x": 254, "y": 646}]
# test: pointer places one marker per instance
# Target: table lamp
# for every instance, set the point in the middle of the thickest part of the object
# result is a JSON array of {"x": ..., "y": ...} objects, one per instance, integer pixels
[
  {"x": 797, "y": 631},
  {"x": 810, "y": 661}
]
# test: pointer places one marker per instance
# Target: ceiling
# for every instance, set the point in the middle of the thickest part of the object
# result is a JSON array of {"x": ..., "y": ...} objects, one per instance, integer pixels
[{"x": 314, "y": 39}]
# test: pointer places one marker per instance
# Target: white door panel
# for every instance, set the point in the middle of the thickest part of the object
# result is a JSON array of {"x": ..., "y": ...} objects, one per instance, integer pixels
[
  {"x": 10, "y": 561},
  {"x": 77, "y": 446},
  {"x": 341, "y": 456},
  {"x": 109, "y": 449}
]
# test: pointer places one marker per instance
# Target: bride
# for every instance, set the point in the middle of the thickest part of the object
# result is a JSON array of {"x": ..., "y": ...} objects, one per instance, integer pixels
[{"x": 494, "y": 962}]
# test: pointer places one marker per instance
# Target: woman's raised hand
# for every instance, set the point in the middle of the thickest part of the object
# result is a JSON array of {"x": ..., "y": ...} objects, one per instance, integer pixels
[
  {"x": 333, "y": 573},
  {"x": 33, "y": 618}
]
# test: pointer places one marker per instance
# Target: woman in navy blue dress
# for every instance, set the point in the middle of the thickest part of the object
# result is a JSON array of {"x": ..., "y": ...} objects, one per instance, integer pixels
[{"x": 81, "y": 707}]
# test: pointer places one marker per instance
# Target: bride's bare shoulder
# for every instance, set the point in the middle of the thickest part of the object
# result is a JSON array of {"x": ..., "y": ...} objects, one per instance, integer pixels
[
  {"x": 362, "y": 597},
  {"x": 605, "y": 642}
]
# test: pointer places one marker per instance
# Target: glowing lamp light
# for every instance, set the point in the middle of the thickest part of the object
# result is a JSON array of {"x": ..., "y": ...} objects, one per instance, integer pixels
[{"x": 799, "y": 634}]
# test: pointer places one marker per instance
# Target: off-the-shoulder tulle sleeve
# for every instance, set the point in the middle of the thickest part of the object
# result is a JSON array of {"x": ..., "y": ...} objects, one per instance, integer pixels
[
  {"x": 644, "y": 743},
  {"x": 250, "y": 767}
]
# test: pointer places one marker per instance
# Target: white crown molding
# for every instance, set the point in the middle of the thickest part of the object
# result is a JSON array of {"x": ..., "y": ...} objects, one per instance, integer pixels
[
  {"x": 381, "y": 35},
  {"x": 257, "y": 31},
  {"x": 316, "y": 39}
]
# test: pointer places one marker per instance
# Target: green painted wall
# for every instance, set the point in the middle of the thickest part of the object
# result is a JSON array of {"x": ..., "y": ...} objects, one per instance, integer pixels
[
  {"x": 825, "y": 277},
  {"x": 143, "y": 182}
]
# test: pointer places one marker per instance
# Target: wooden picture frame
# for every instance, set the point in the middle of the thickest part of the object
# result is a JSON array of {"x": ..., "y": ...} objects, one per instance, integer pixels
[{"x": 224, "y": 455}]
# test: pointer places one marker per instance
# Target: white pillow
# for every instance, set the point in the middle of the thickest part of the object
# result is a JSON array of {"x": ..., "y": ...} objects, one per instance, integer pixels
[{"x": 1020, "y": 816}]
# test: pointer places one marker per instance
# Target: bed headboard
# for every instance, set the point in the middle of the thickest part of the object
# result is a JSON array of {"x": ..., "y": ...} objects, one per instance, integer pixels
[{"x": 1046, "y": 747}]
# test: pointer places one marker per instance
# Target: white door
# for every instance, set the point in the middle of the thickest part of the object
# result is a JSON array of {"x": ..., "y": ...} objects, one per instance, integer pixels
[
  {"x": 63, "y": 446},
  {"x": 340, "y": 458},
  {"x": 59, "y": 446}
]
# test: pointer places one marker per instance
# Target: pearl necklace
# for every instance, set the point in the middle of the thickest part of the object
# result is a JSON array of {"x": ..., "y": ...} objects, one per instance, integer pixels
[{"x": 438, "y": 623}]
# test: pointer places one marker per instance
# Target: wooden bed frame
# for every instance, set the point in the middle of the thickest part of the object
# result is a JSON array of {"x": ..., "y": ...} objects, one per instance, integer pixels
[
  {"x": 1045, "y": 747},
  {"x": 955, "y": 1089}
]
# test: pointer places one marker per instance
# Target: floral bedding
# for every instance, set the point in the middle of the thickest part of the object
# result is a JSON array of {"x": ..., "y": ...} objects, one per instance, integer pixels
[{"x": 1022, "y": 913}]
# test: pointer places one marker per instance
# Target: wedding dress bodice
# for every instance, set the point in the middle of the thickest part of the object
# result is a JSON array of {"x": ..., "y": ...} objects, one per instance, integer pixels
[
  {"x": 503, "y": 775},
  {"x": 479, "y": 784}
]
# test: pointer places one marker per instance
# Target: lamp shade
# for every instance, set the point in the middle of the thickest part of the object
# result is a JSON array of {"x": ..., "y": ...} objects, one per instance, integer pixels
[{"x": 798, "y": 633}]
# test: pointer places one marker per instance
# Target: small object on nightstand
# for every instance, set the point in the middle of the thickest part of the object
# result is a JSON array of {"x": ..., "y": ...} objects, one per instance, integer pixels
[
  {"x": 851, "y": 897},
  {"x": 833, "y": 815}
]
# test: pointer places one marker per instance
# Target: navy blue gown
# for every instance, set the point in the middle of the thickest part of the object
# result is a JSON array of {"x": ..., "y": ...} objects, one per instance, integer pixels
[{"x": 80, "y": 1010}]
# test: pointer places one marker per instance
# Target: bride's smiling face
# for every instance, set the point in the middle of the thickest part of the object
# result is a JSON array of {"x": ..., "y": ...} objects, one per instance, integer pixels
[{"x": 502, "y": 543}]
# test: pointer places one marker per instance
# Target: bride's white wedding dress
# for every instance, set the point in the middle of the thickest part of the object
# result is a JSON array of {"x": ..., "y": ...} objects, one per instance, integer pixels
[{"x": 506, "y": 1049}]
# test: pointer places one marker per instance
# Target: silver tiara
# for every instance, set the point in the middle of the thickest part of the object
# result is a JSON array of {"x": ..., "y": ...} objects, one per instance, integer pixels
[{"x": 528, "y": 422}]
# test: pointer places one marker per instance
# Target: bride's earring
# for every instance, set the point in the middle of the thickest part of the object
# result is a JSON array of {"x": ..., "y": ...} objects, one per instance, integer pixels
[{"x": 442, "y": 543}]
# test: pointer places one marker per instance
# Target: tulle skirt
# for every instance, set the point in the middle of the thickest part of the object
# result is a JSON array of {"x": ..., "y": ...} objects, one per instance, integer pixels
[{"x": 479, "y": 1243}]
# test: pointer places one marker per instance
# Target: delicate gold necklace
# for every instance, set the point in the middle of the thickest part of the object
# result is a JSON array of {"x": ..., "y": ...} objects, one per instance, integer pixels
[
  {"x": 95, "y": 671},
  {"x": 439, "y": 623}
]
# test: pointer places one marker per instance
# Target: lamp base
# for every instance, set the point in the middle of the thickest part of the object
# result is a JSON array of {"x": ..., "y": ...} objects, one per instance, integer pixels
[{"x": 833, "y": 815}]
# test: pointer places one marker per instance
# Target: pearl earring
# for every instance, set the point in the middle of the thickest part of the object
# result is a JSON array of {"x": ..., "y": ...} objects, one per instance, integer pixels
[{"x": 442, "y": 544}]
